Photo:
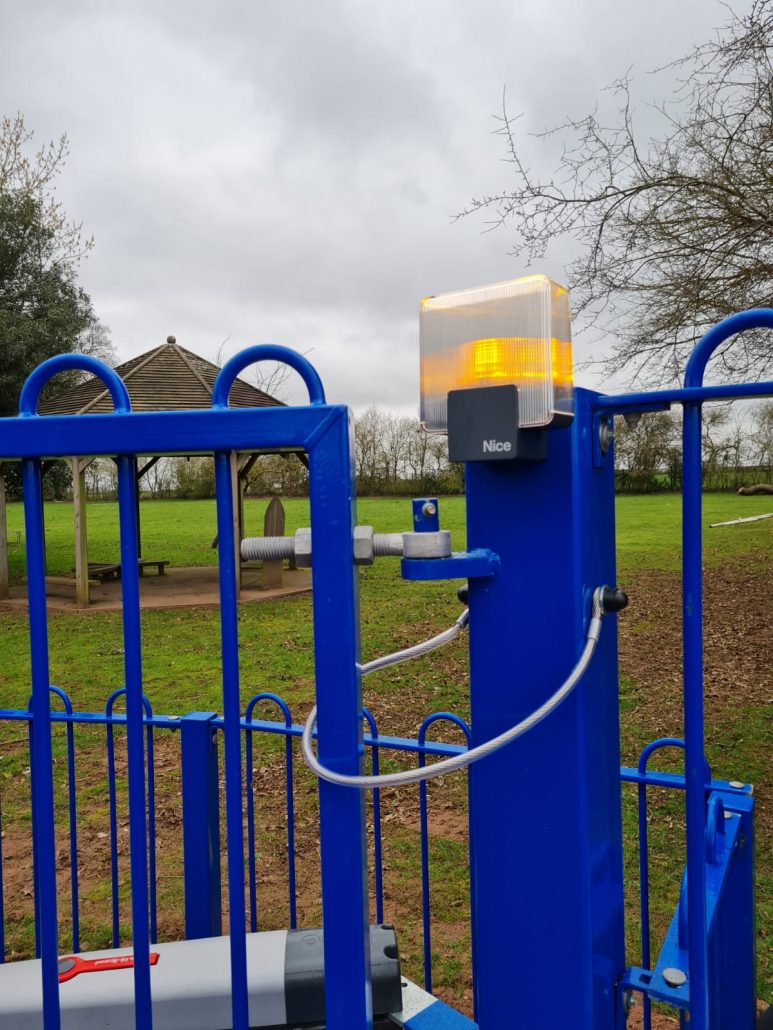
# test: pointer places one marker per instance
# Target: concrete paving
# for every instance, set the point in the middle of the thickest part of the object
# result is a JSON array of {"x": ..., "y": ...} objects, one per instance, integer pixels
[{"x": 178, "y": 588}]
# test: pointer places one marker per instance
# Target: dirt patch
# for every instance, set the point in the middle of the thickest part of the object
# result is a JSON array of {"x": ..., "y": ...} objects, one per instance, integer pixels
[
  {"x": 738, "y": 636},
  {"x": 738, "y": 670},
  {"x": 659, "y": 1020}
]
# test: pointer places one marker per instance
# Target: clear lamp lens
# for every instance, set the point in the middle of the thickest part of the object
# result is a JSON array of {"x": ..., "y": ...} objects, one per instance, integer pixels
[{"x": 515, "y": 332}]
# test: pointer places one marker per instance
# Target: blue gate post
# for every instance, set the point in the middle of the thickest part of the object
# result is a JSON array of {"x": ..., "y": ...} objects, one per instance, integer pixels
[
  {"x": 732, "y": 937},
  {"x": 201, "y": 825},
  {"x": 546, "y": 821},
  {"x": 339, "y": 700}
]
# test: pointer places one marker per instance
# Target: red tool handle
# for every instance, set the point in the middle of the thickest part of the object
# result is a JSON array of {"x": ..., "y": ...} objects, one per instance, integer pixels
[{"x": 71, "y": 965}]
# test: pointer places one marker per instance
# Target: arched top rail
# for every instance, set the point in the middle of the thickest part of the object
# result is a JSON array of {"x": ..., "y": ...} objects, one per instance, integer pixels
[
  {"x": 754, "y": 318},
  {"x": 28, "y": 400},
  {"x": 693, "y": 391},
  {"x": 266, "y": 352}
]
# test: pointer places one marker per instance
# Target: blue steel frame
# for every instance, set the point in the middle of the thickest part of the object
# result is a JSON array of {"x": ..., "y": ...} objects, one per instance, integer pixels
[
  {"x": 195, "y": 770},
  {"x": 563, "y": 778},
  {"x": 692, "y": 397},
  {"x": 325, "y": 433}
]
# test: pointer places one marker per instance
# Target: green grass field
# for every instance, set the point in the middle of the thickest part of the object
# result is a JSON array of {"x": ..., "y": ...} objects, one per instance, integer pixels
[
  {"x": 648, "y": 528},
  {"x": 180, "y": 652}
]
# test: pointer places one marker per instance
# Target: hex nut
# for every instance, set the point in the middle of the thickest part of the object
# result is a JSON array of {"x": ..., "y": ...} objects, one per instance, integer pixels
[
  {"x": 302, "y": 542},
  {"x": 363, "y": 545}
]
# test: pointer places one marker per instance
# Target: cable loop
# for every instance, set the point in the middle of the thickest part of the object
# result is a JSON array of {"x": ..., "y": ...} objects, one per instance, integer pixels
[{"x": 448, "y": 765}]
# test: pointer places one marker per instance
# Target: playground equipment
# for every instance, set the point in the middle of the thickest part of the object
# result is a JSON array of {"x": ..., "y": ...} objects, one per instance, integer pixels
[{"x": 545, "y": 824}]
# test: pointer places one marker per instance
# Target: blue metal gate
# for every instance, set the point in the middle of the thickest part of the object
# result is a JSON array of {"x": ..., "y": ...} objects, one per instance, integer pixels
[{"x": 559, "y": 864}]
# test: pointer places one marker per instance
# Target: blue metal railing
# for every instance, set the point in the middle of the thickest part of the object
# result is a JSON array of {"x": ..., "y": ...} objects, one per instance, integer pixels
[
  {"x": 325, "y": 433},
  {"x": 691, "y": 397},
  {"x": 250, "y": 729}
]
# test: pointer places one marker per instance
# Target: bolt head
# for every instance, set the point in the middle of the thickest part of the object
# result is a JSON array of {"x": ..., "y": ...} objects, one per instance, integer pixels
[
  {"x": 737, "y": 784},
  {"x": 303, "y": 548},
  {"x": 675, "y": 977},
  {"x": 606, "y": 436},
  {"x": 363, "y": 545}
]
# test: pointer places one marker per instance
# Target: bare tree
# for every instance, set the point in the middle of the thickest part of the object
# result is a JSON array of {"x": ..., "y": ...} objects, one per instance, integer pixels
[
  {"x": 95, "y": 341},
  {"x": 269, "y": 376},
  {"x": 674, "y": 233},
  {"x": 158, "y": 478},
  {"x": 761, "y": 439}
]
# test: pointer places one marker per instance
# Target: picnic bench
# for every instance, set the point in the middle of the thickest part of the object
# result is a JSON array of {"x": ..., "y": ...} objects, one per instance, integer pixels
[
  {"x": 150, "y": 563},
  {"x": 103, "y": 572}
]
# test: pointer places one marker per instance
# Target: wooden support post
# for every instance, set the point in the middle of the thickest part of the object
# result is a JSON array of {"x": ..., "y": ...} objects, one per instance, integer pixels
[
  {"x": 3, "y": 537},
  {"x": 273, "y": 525},
  {"x": 81, "y": 539}
]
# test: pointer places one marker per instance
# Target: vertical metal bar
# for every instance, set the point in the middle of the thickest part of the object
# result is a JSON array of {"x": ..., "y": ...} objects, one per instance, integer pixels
[
  {"x": 33, "y": 819},
  {"x": 290, "y": 806},
  {"x": 73, "y": 819},
  {"x": 424, "y": 833},
  {"x": 201, "y": 825},
  {"x": 135, "y": 738},
  {"x": 426, "y": 915},
  {"x": 2, "y": 891},
  {"x": 644, "y": 898},
  {"x": 339, "y": 703},
  {"x": 252, "y": 889},
  {"x": 112, "y": 802},
  {"x": 378, "y": 868},
  {"x": 232, "y": 739},
  {"x": 151, "y": 813},
  {"x": 41, "y": 767},
  {"x": 692, "y": 613},
  {"x": 473, "y": 881}
]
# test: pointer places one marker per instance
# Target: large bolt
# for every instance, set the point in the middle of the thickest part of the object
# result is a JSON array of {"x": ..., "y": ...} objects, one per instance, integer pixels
[
  {"x": 363, "y": 545},
  {"x": 427, "y": 545},
  {"x": 303, "y": 548},
  {"x": 606, "y": 436}
]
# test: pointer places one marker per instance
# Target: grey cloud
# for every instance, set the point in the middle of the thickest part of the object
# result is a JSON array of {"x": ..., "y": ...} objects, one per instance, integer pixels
[{"x": 288, "y": 170}]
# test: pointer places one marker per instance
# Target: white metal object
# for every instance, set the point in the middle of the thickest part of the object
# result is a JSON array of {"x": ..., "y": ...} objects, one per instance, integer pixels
[
  {"x": 191, "y": 986},
  {"x": 736, "y": 522}
]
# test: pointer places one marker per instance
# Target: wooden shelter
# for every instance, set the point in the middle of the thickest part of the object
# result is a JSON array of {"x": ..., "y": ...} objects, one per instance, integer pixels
[{"x": 168, "y": 378}]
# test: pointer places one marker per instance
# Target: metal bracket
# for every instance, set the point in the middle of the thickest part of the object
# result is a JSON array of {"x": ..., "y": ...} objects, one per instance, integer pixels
[{"x": 478, "y": 564}]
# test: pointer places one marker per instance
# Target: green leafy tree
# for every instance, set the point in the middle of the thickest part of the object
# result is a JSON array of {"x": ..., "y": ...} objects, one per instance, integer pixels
[
  {"x": 673, "y": 232},
  {"x": 43, "y": 310}
]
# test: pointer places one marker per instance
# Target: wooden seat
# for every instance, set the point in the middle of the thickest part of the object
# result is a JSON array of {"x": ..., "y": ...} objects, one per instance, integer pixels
[
  {"x": 145, "y": 563},
  {"x": 104, "y": 571}
]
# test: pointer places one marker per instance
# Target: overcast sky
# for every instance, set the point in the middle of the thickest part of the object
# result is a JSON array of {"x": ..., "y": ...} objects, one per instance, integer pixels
[{"x": 287, "y": 171}]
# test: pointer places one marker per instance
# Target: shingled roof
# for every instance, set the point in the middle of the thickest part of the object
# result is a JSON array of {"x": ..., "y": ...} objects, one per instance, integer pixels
[{"x": 169, "y": 378}]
